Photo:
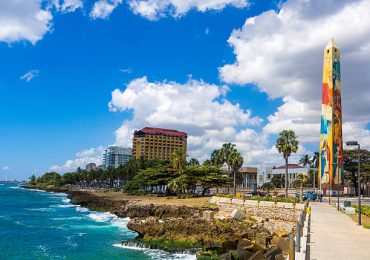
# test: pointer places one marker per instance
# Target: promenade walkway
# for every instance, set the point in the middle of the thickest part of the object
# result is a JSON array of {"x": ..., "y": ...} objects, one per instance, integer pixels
[{"x": 335, "y": 236}]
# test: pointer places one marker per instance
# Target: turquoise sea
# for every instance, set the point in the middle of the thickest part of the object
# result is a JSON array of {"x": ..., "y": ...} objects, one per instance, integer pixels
[{"x": 41, "y": 225}]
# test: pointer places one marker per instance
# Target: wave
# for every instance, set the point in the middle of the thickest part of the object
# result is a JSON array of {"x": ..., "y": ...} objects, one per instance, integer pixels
[
  {"x": 63, "y": 206},
  {"x": 108, "y": 217},
  {"x": 67, "y": 218},
  {"x": 40, "y": 209},
  {"x": 157, "y": 253},
  {"x": 66, "y": 200},
  {"x": 82, "y": 209}
]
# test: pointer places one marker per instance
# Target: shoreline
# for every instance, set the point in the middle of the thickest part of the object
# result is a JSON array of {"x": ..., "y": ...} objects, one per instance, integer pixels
[{"x": 182, "y": 226}]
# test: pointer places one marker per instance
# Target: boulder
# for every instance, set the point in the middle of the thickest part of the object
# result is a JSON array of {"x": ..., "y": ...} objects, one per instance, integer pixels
[
  {"x": 283, "y": 244},
  {"x": 272, "y": 252},
  {"x": 230, "y": 245},
  {"x": 208, "y": 215},
  {"x": 237, "y": 202},
  {"x": 257, "y": 256},
  {"x": 243, "y": 244},
  {"x": 279, "y": 257},
  {"x": 237, "y": 214},
  {"x": 227, "y": 256}
]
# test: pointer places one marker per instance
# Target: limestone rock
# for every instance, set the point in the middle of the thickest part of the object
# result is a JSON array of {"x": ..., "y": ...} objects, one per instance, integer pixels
[
  {"x": 208, "y": 215},
  {"x": 237, "y": 214}
]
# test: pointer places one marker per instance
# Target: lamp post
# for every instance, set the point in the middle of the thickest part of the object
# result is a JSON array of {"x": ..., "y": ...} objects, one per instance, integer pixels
[{"x": 355, "y": 143}]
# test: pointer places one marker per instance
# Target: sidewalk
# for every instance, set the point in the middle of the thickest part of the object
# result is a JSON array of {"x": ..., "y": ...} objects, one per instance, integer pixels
[{"x": 335, "y": 236}]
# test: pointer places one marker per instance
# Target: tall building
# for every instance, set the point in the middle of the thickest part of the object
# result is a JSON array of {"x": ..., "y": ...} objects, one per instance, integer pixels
[
  {"x": 331, "y": 144},
  {"x": 115, "y": 156},
  {"x": 158, "y": 143}
]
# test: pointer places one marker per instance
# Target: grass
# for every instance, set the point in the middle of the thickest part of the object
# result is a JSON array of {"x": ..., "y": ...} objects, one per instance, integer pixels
[{"x": 365, "y": 220}]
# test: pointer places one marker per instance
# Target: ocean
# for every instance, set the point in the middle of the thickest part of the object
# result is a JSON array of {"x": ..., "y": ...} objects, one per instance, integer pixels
[{"x": 43, "y": 225}]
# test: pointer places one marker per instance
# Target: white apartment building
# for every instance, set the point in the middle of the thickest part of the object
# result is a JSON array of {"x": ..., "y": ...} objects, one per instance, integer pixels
[{"x": 115, "y": 156}]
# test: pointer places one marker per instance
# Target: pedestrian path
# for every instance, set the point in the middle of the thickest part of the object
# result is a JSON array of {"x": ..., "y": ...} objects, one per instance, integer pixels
[{"x": 335, "y": 236}]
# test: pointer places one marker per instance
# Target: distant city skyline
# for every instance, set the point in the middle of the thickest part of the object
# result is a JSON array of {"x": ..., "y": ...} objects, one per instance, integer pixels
[{"x": 78, "y": 76}]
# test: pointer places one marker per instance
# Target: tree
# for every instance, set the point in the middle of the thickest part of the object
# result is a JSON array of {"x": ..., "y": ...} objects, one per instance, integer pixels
[
  {"x": 207, "y": 162},
  {"x": 268, "y": 186},
  {"x": 193, "y": 162},
  {"x": 305, "y": 161},
  {"x": 33, "y": 180},
  {"x": 302, "y": 180},
  {"x": 278, "y": 180},
  {"x": 217, "y": 158},
  {"x": 350, "y": 162},
  {"x": 178, "y": 160},
  {"x": 235, "y": 162},
  {"x": 287, "y": 144}
]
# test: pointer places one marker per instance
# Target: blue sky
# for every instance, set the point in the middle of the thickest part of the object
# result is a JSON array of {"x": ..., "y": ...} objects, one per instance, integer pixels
[{"x": 79, "y": 61}]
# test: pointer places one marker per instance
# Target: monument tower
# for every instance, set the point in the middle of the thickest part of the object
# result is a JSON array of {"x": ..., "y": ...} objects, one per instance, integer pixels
[{"x": 331, "y": 143}]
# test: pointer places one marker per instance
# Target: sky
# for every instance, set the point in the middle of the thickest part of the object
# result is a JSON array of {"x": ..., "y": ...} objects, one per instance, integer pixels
[{"x": 79, "y": 75}]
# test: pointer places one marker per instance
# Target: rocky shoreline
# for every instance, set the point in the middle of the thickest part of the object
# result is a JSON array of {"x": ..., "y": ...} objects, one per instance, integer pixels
[{"x": 179, "y": 228}]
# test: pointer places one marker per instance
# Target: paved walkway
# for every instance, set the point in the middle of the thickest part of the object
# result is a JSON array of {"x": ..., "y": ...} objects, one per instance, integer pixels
[{"x": 335, "y": 236}]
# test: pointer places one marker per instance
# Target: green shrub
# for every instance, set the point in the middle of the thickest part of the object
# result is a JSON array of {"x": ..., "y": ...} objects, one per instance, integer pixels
[{"x": 365, "y": 209}]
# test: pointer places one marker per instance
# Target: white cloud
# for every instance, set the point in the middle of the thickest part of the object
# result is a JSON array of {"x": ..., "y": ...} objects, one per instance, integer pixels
[
  {"x": 127, "y": 70},
  {"x": 23, "y": 20},
  {"x": 154, "y": 9},
  {"x": 7, "y": 168},
  {"x": 28, "y": 76},
  {"x": 103, "y": 8},
  {"x": 281, "y": 52},
  {"x": 71, "y": 5},
  {"x": 92, "y": 155},
  {"x": 196, "y": 107}
]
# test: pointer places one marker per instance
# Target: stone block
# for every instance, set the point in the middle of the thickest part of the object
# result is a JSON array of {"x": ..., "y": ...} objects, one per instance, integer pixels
[
  {"x": 230, "y": 245},
  {"x": 237, "y": 201},
  {"x": 244, "y": 244},
  {"x": 283, "y": 244},
  {"x": 269, "y": 204},
  {"x": 237, "y": 214},
  {"x": 251, "y": 203},
  {"x": 225, "y": 200},
  {"x": 284, "y": 205},
  {"x": 279, "y": 257},
  {"x": 257, "y": 256},
  {"x": 300, "y": 206},
  {"x": 349, "y": 210},
  {"x": 209, "y": 215},
  {"x": 271, "y": 252},
  {"x": 214, "y": 200}
]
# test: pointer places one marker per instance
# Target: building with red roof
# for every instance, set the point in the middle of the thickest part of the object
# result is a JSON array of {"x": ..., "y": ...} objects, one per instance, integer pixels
[{"x": 158, "y": 143}]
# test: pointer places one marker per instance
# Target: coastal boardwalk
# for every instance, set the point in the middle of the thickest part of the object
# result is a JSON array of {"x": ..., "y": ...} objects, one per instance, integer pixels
[{"x": 334, "y": 235}]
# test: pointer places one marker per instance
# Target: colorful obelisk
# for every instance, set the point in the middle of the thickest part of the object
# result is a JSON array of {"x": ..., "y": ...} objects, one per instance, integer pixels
[{"x": 331, "y": 143}]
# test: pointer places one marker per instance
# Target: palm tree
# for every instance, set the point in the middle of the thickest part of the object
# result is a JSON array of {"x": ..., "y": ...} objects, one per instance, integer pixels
[
  {"x": 302, "y": 179},
  {"x": 226, "y": 150},
  {"x": 287, "y": 144},
  {"x": 235, "y": 162},
  {"x": 315, "y": 164},
  {"x": 217, "y": 158},
  {"x": 178, "y": 160},
  {"x": 193, "y": 162},
  {"x": 306, "y": 161}
]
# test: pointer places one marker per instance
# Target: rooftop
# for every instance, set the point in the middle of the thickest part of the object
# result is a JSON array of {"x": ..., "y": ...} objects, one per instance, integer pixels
[
  {"x": 162, "y": 131},
  {"x": 290, "y": 166}
]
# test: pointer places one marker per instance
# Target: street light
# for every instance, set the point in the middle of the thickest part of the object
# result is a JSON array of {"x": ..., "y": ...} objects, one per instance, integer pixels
[{"x": 355, "y": 143}]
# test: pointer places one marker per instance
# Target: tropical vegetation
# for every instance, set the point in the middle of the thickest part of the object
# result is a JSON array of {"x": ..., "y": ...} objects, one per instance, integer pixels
[{"x": 287, "y": 144}]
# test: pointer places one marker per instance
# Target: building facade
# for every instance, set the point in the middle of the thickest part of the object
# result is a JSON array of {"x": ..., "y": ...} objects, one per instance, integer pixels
[
  {"x": 293, "y": 171},
  {"x": 250, "y": 180},
  {"x": 331, "y": 143},
  {"x": 91, "y": 167},
  {"x": 115, "y": 156},
  {"x": 157, "y": 143}
]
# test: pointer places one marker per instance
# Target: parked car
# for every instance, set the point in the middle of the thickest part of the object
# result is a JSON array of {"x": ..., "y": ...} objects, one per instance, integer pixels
[{"x": 308, "y": 195}]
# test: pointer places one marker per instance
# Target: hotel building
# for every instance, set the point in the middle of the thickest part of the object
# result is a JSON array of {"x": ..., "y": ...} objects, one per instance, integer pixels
[{"x": 157, "y": 143}]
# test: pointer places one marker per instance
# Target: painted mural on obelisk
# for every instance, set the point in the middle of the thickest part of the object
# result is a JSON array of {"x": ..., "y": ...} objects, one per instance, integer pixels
[{"x": 331, "y": 143}]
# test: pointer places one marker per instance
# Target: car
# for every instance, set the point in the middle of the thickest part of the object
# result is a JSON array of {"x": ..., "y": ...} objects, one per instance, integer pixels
[{"x": 308, "y": 195}]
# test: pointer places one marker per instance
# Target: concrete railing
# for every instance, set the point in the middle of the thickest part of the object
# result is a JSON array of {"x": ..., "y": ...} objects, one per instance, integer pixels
[
  {"x": 256, "y": 203},
  {"x": 299, "y": 242}
]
